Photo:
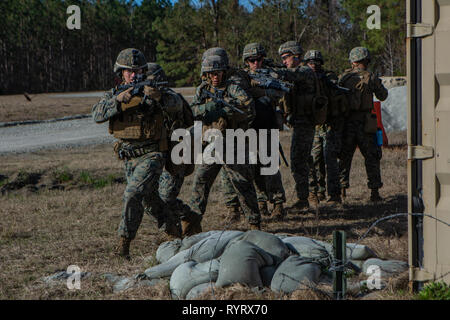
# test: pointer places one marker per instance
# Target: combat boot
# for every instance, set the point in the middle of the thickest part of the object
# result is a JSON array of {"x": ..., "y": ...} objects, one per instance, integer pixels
[
  {"x": 278, "y": 212},
  {"x": 123, "y": 248},
  {"x": 233, "y": 214},
  {"x": 313, "y": 199},
  {"x": 172, "y": 229},
  {"x": 334, "y": 200},
  {"x": 190, "y": 224},
  {"x": 375, "y": 196},
  {"x": 301, "y": 205},
  {"x": 262, "y": 206},
  {"x": 321, "y": 196}
]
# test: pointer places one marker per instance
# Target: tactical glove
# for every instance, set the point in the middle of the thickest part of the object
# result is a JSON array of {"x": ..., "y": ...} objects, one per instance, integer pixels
[
  {"x": 124, "y": 96},
  {"x": 207, "y": 107}
]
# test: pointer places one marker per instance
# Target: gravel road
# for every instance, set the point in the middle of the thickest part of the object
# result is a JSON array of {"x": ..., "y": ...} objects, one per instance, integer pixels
[
  {"x": 30, "y": 136},
  {"x": 58, "y": 134}
]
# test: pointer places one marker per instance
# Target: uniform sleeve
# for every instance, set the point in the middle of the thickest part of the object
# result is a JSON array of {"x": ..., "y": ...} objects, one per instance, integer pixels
[
  {"x": 303, "y": 77},
  {"x": 106, "y": 108},
  {"x": 198, "y": 104},
  {"x": 380, "y": 91},
  {"x": 241, "y": 100}
]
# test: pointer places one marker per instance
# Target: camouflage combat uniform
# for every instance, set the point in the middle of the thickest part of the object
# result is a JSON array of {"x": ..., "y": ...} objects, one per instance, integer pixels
[
  {"x": 240, "y": 175},
  {"x": 361, "y": 125},
  {"x": 142, "y": 131},
  {"x": 328, "y": 140},
  {"x": 268, "y": 187}
]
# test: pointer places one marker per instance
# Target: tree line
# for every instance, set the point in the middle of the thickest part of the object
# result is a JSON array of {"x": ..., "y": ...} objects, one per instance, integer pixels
[{"x": 38, "y": 53}]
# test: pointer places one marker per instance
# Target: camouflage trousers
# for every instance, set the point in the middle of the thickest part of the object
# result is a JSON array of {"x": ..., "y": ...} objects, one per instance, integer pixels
[
  {"x": 317, "y": 173},
  {"x": 301, "y": 145},
  {"x": 170, "y": 186},
  {"x": 324, "y": 165},
  {"x": 143, "y": 174},
  {"x": 268, "y": 188},
  {"x": 354, "y": 136},
  {"x": 241, "y": 177}
]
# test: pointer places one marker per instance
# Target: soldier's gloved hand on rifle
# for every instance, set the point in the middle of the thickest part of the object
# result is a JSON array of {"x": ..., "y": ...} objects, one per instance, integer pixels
[
  {"x": 208, "y": 107},
  {"x": 153, "y": 93},
  {"x": 214, "y": 115},
  {"x": 124, "y": 96}
]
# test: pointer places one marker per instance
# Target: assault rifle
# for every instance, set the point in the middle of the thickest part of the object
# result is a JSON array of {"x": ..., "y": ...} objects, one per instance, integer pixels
[
  {"x": 218, "y": 97},
  {"x": 265, "y": 80},
  {"x": 138, "y": 84}
]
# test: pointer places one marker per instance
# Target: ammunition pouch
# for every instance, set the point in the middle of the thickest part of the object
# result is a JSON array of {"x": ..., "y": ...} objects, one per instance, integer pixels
[
  {"x": 125, "y": 152},
  {"x": 370, "y": 123},
  {"x": 135, "y": 125},
  {"x": 320, "y": 109}
]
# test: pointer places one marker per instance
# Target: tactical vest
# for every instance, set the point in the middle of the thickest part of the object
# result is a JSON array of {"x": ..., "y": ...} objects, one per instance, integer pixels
[
  {"x": 358, "y": 81},
  {"x": 298, "y": 103},
  {"x": 337, "y": 101},
  {"x": 140, "y": 124}
]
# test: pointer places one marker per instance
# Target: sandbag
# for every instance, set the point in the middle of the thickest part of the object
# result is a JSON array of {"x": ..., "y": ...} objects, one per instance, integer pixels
[
  {"x": 307, "y": 247},
  {"x": 198, "y": 290},
  {"x": 268, "y": 242},
  {"x": 165, "y": 269},
  {"x": 240, "y": 263},
  {"x": 388, "y": 268},
  {"x": 267, "y": 275},
  {"x": 295, "y": 273},
  {"x": 354, "y": 251},
  {"x": 190, "y": 274},
  {"x": 204, "y": 250},
  {"x": 167, "y": 250},
  {"x": 359, "y": 252},
  {"x": 190, "y": 241}
]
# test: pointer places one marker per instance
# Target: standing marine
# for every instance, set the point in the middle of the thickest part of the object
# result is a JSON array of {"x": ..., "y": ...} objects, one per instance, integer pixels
[
  {"x": 361, "y": 124},
  {"x": 301, "y": 107},
  {"x": 215, "y": 114},
  {"x": 324, "y": 167},
  {"x": 140, "y": 121}
]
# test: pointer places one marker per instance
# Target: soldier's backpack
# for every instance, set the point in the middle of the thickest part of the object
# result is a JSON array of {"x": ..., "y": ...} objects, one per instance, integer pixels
[{"x": 176, "y": 119}]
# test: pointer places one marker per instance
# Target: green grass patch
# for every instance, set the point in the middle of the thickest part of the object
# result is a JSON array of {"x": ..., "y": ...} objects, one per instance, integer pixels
[
  {"x": 63, "y": 175},
  {"x": 435, "y": 291},
  {"x": 98, "y": 183}
]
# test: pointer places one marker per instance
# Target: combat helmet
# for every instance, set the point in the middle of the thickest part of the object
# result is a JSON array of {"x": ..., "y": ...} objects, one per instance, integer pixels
[
  {"x": 253, "y": 49},
  {"x": 155, "y": 71},
  {"x": 290, "y": 47},
  {"x": 313, "y": 55},
  {"x": 358, "y": 54},
  {"x": 214, "y": 63},
  {"x": 130, "y": 58},
  {"x": 216, "y": 51}
]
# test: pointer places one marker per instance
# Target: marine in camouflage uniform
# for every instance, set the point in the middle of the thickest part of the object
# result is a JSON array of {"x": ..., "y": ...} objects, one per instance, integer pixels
[
  {"x": 218, "y": 116},
  {"x": 324, "y": 170},
  {"x": 268, "y": 187},
  {"x": 300, "y": 106},
  {"x": 172, "y": 178},
  {"x": 361, "y": 125},
  {"x": 138, "y": 122}
]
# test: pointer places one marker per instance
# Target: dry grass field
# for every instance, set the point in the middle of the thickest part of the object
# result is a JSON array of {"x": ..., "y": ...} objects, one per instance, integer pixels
[{"x": 62, "y": 207}]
